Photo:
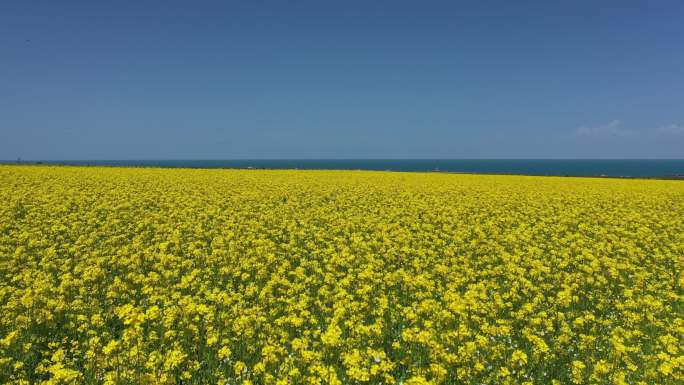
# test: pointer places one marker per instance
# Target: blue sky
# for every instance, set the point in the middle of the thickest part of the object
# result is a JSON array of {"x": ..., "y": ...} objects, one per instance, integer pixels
[{"x": 341, "y": 79}]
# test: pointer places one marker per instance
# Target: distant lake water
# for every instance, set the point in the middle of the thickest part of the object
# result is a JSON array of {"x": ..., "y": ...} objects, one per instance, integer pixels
[{"x": 561, "y": 167}]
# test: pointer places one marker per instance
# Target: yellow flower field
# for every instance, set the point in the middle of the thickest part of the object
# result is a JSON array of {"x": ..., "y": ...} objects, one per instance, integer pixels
[{"x": 170, "y": 276}]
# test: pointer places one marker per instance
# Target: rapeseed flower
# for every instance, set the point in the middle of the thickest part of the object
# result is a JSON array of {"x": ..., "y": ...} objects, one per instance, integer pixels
[{"x": 169, "y": 276}]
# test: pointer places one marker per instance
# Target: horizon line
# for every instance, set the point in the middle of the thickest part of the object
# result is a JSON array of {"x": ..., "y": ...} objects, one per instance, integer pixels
[{"x": 21, "y": 160}]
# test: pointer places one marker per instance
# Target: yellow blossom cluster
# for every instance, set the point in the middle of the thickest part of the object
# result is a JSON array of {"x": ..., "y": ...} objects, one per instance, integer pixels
[{"x": 249, "y": 277}]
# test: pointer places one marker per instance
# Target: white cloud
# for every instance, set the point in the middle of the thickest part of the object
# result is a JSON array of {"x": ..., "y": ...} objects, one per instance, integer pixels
[
  {"x": 613, "y": 128},
  {"x": 673, "y": 128}
]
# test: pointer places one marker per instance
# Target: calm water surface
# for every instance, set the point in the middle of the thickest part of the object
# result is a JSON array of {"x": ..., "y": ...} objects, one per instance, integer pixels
[{"x": 563, "y": 167}]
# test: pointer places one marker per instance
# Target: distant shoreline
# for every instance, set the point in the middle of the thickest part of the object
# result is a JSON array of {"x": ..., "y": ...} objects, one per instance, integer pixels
[{"x": 245, "y": 165}]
